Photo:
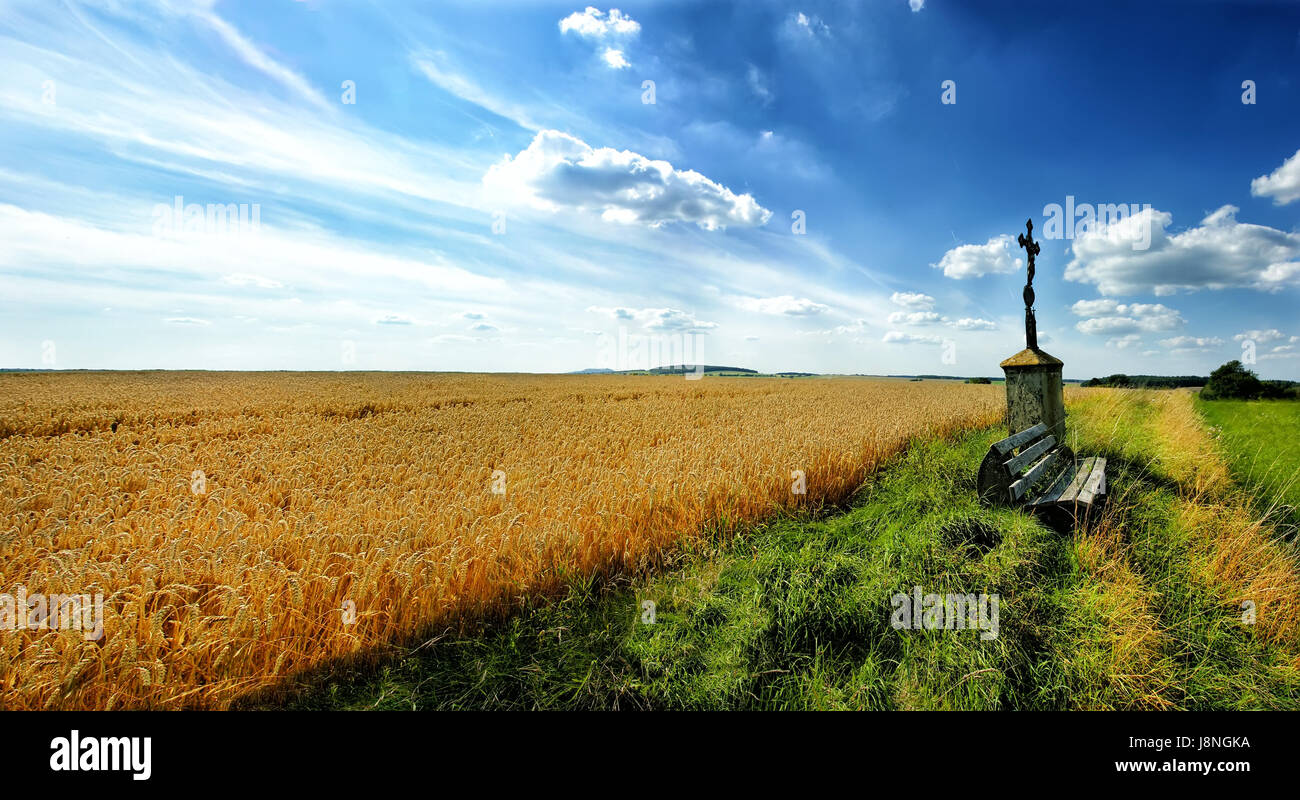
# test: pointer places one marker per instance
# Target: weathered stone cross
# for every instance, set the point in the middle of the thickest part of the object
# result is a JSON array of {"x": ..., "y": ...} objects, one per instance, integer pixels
[{"x": 1031, "y": 249}]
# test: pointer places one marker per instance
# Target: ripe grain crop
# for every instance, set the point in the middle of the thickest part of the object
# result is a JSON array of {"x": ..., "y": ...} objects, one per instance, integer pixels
[{"x": 244, "y": 527}]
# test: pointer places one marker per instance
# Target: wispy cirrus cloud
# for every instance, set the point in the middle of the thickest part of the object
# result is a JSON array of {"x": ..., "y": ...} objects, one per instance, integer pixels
[
  {"x": 901, "y": 337},
  {"x": 915, "y": 318},
  {"x": 785, "y": 305},
  {"x": 759, "y": 85},
  {"x": 436, "y": 66},
  {"x": 249, "y": 279},
  {"x": 254, "y": 56},
  {"x": 802, "y": 27}
]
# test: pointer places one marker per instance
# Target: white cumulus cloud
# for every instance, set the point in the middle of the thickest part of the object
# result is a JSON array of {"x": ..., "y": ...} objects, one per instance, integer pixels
[
  {"x": 1282, "y": 184},
  {"x": 615, "y": 59},
  {"x": 657, "y": 319},
  {"x": 558, "y": 171},
  {"x": 1262, "y": 337},
  {"x": 597, "y": 26},
  {"x": 1220, "y": 253},
  {"x": 1094, "y": 308},
  {"x": 913, "y": 300},
  {"x": 1192, "y": 343},
  {"x": 915, "y": 318},
  {"x": 972, "y": 324},
  {"x": 1108, "y": 318},
  {"x": 976, "y": 260},
  {"x": 593, "y": 23}
]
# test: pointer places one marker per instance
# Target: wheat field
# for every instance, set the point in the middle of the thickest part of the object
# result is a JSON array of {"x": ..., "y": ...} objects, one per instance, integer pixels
[{"x": 243, "y": 527}]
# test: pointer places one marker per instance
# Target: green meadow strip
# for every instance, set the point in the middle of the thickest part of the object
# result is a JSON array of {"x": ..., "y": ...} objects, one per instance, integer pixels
[{"x": 1261, "y": 439}]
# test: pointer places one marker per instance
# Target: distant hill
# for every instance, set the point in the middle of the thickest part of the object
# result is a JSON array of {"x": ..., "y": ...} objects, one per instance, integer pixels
[
  {"x": 676, "y": 369},
  {"x": 672, "y": 369}
]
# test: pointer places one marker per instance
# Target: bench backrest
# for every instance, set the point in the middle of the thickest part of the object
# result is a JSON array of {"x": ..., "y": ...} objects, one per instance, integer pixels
[{"x": 1014, "y": 464}]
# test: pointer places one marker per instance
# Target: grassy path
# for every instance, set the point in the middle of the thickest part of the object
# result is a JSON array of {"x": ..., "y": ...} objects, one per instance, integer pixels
[
  {"x": 1173, "y": 565},
  {"x": 1141, "y": 610}
]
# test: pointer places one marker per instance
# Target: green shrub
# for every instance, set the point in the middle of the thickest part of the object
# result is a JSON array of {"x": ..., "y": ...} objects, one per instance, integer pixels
[{"x": 1232, "y": 381}]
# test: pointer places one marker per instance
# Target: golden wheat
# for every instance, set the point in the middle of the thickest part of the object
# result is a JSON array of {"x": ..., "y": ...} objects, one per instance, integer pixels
[{"x": 335, "y": 514}]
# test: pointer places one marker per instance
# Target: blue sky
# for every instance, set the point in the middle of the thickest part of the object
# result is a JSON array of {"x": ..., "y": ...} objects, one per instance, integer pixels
[{"x": 488, "y": 186}]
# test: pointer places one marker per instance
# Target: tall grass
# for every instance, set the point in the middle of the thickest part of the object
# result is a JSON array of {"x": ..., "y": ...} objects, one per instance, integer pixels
[{"x": 1190, "y": 552}]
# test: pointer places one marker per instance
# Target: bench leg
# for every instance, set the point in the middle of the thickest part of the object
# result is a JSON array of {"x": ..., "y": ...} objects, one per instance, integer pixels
[{"x": 1066, "y": 517}]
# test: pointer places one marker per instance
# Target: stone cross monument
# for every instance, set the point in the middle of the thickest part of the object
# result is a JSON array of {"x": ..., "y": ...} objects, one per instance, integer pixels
[
  {"x": 1034, "y": 391},
  {"x": 1031, "y": 249}
]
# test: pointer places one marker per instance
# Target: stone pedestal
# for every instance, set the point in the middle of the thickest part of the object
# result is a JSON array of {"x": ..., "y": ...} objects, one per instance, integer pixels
[{"x": 1034, "y": 392}]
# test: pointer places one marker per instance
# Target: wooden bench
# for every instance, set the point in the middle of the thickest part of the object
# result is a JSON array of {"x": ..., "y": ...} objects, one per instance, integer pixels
[{"x": 1032, "y": 469}]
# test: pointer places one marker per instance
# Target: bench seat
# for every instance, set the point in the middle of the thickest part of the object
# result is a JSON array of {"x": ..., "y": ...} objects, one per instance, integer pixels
[{"x": 1032, "y": 469}]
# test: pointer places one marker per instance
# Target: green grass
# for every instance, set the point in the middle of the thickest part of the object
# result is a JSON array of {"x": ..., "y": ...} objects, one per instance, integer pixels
[
  {"x": 795, "y": 614},
  {"x": 1262, "y": 440}
]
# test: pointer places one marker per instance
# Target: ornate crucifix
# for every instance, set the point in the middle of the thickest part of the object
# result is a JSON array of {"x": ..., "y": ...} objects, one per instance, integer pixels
[{"x": 1032, "y": 249}]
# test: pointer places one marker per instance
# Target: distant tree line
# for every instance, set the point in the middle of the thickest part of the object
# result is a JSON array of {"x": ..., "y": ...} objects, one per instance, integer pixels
[
  {"x": 1122, "y": 381},
  {"x": 1232, "y": 381}
]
